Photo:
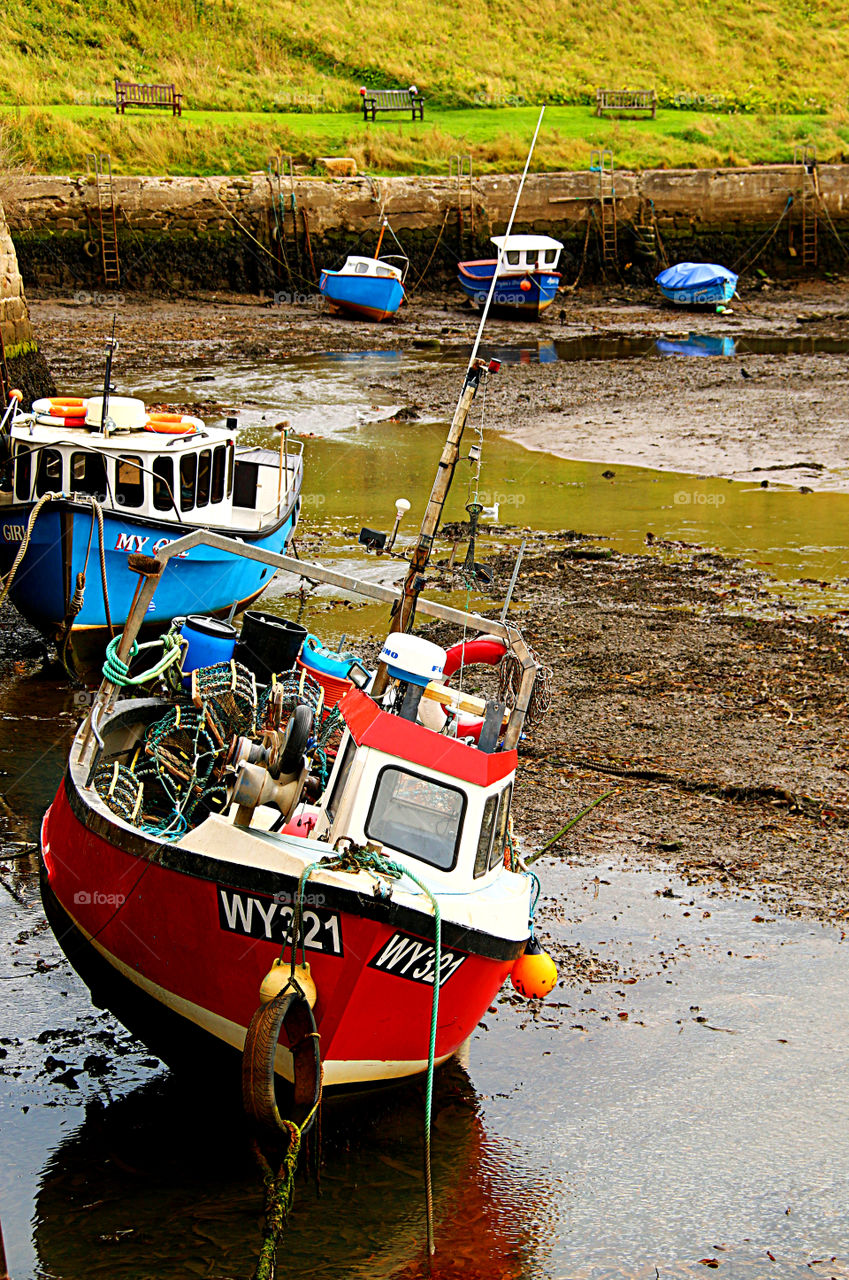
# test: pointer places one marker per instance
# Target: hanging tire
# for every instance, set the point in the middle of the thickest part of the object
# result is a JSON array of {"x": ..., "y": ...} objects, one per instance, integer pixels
[
  {"x": 298, "y": 732},
  {"x": 290, "y": 1014}
]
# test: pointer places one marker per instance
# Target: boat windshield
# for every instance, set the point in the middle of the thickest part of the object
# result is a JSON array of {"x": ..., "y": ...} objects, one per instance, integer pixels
[{"x": 418, "y": 816}]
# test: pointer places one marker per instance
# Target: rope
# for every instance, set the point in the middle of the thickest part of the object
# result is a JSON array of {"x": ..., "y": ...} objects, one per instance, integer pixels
[
  {"x": 413, "y": 288},
  {"x": 22, "y": 550},
  {"x": 771, "y": 236},
  {"x": 279, "y": 1196},
  {"x": 356, "y": 859},
  {"x": 117, "y": 672},
  {"x": 510, "y": 680},
  {"x": 251, "y": 236},
  {"x": 833, "y": 228}
]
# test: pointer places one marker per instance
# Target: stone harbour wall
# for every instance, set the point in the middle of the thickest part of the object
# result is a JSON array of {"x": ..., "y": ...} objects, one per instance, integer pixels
[
  {"x": 24, "y": 362},
  {"x": 238, "y": 232}
]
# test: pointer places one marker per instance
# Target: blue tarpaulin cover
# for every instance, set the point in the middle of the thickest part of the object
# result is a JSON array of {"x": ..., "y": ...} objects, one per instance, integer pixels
[{"x": 693, "y": 275}]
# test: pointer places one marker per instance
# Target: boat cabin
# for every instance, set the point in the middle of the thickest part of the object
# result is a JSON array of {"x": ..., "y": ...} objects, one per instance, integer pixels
[
  {"x": 192, "y": 477},
  {"x": 528, "y": 253},
  {"x": 355, "y": 266}
]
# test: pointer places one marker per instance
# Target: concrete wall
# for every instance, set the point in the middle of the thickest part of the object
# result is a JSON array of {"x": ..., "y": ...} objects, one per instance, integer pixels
[
  {"x": 24, "y": 362},
  {"x": 205, "y": 230}
]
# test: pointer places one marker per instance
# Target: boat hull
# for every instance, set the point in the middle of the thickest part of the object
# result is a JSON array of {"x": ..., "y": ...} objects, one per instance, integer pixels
[
  {"x": 701, "y": 295},
  {"x": 153, "y": 926},
  {"x": 523, "y": 292},
  {"x": 364, "y": 297},
  {"x": 202, "y": 580}
]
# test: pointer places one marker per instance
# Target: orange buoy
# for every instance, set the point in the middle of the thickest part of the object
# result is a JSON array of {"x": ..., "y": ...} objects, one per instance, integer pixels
[
  {"x": 525, "y": 286},
  {"x": 172, "y": 424},
  {"x": 534, "y": 974},
  {"x": 67, "y": 402}
]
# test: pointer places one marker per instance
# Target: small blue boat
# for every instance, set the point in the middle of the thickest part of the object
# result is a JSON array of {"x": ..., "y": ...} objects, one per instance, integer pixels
[
  {"x": 78, "y": 502},
  {"x": 366, "y": 288},
  {"x": 527, "y": 280},
  {"x": 697, "y": 284}
]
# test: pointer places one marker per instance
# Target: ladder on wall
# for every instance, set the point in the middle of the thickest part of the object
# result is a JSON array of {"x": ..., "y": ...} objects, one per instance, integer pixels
[
  {"x": 460, "y": 171},
  {"x": 601, "y": 162},
  {"x": 105, "y": 197},
  {"x": 809, "y": 193}
]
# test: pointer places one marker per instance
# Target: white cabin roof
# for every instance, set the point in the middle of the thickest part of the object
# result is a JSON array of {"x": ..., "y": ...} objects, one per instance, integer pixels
[
  {"x": 526, "y": 242},
  {"x": 356, "y": 266}
]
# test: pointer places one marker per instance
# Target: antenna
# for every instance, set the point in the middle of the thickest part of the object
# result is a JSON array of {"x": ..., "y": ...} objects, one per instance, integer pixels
[{"x": 111, "y": 344}]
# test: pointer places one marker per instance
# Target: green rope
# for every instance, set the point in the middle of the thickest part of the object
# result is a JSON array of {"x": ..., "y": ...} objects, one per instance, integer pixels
[
  {"x": 117, "y": 672},
  {"x": 358, "y": 859},
  {"x": 279, "y": 1196}
]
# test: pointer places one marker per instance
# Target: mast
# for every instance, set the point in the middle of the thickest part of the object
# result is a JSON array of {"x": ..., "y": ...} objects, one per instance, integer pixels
[{"x": 403, "y": 613}]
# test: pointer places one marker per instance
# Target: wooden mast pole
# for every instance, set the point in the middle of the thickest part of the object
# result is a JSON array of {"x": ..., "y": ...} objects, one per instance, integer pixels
[{"x": 404, "y": 612}]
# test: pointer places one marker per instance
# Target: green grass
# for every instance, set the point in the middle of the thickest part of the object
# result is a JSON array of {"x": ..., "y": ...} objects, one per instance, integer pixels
[
  {"x": 58, "y": 139},
  {"x": 290, "y": 72}
]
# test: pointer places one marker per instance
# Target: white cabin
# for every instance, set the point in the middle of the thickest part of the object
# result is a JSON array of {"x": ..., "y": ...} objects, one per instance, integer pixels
[{"x": 528, "y": 253}]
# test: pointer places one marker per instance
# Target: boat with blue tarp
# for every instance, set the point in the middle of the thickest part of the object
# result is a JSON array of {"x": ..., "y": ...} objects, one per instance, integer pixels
[
  {"x": 527, "y": 279},
  {"x": 697, "y": 284}
]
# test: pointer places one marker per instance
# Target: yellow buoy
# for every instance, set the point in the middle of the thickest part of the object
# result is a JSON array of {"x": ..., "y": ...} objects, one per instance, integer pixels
[
  {"x": 278, "y": 976},
  {"x": 534, "y": 974}
]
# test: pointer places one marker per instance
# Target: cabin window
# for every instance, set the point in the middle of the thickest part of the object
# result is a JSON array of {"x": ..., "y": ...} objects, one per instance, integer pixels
[
  {"x": 219, "y": 470},
  {"x": 550, "y": 256},
  {"x": 48, "y": 478},
  {"x": 129, "y": 482},
  {"x": 204, "y": 476},
  {"x": 500, "y": 841},
  {"x": 244, "y": 491},
  {"x": 188, "y": 480},
  {"x": 485, "y": 838},
  {"x": 163, "y": 484},
  {"x": 332, "y": 806},
  {"x": 383, "y": 271},
  {"x": 418, "y": 816},
  {"x": 512, "y": 257},
  {"x": 88, "y": 474},
  {"x": 231, "y": 455},
  {"x": 531, "y": 258},
  {"x": 361, "y": 269},
  {"x": 23, "y": 473}
]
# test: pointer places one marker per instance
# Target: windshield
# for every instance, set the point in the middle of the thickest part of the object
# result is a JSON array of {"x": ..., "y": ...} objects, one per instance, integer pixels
[{"x": 418, "y": 816}]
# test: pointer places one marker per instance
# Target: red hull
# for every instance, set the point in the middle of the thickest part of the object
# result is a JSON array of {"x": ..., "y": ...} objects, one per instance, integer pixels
[{"x": 180, "y": 930}]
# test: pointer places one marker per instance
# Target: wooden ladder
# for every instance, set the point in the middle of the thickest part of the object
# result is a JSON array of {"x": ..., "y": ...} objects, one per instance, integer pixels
[
  {"x": 601, "y": 162},
  {"x": 460, "y": 170},
  {"x": 102, "y": 169},
  {"x": 809, "y": 194}
]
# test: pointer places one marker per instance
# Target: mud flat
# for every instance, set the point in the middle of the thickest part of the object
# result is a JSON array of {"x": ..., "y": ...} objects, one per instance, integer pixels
[{"x": 783, "y": 418}]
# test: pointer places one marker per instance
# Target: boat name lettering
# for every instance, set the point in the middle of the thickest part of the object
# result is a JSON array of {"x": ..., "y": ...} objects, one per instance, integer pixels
[
  {"x": 409, "y": 957},
  {"x": 267, "y": 918},
  {"x": 131, "y": 542},
  {"x": 13, "y": 532}
]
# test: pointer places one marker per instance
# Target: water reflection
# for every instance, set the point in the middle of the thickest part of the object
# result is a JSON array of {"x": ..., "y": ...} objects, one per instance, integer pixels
[
  {"x": 697, "y": 345},
  {"x": 163, "y": 1183},
  {"x": 625, "y": 347}
]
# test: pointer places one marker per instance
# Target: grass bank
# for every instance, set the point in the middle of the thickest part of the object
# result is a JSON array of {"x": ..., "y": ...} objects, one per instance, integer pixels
[{"x": 58, "y": 139}]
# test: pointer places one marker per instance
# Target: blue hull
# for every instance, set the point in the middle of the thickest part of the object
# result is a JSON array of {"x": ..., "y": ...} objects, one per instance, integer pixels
[
  {"x": 366, "y": 297},
  {"x": 202, "y": 581},
  {"x": 701, "y": 296},
  {"x": 540, "y": 287}
]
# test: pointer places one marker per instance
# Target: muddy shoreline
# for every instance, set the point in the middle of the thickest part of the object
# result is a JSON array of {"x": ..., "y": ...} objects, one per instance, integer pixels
[{"x": 780, "y": 418}]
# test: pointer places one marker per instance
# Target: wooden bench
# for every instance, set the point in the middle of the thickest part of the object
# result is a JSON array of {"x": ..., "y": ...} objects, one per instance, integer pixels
[
  {"x": 375, "y": 100},
  {"x": 625, "y": 100},
  {"x": 128, "y": 94}
]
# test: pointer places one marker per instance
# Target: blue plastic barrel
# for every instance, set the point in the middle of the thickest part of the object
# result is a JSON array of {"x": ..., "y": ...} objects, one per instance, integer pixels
[{"x": 210, "y": 641}]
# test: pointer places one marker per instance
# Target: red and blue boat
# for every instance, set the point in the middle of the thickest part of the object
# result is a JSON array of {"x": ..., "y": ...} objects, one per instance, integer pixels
[{"x": 527, "y": 278}]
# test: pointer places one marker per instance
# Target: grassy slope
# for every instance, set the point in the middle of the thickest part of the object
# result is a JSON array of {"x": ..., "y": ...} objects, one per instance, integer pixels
[{"x": 262, "y": 56}]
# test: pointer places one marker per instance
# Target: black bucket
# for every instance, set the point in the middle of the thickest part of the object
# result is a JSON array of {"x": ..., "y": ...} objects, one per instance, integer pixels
[{"x": 268, "y": 644}]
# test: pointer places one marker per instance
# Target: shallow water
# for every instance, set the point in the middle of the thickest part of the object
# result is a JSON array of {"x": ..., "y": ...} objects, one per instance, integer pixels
[{"x": 356, "y": 466}]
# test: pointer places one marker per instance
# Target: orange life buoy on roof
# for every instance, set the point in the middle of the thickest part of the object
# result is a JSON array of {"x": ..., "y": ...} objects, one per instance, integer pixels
[
  {"x": 67, "y": 402},
  {"x": 172, "y": 424}
]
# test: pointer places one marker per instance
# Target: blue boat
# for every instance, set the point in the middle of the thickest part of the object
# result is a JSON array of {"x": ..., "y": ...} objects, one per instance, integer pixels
[
  {"x": 77, "y": 501},
  {"x": 697, "y": 284},
  {"x": 527, "y": 280},
  {"x": 366, "y": 288}
]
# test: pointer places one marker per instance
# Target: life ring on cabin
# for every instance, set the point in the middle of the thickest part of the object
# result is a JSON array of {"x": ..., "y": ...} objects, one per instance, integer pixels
[
  {"x": 483, "y": 650},
  {"x": 68, "y": 402},
  {"x": 171, "y": 424}
]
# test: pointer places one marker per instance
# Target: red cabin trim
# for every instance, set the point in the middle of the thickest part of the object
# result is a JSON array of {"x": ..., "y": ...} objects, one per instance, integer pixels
[{"x": 371, "y": 727}]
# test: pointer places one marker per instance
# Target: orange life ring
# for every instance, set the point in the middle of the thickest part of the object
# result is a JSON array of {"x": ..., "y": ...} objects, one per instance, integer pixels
[
  {"x": 487, "y": 650},
  {"x": 171, "y": 424},
  {"x": 67, "y": 402}
]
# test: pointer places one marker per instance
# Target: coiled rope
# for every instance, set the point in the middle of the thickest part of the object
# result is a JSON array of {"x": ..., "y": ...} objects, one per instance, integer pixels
[{"x": 117, "y": 671}]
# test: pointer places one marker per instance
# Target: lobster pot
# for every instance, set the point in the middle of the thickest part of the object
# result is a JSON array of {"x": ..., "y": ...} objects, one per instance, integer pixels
[
  {"x": 268, "y": 644},
  {"x": 333, "y": 687}
]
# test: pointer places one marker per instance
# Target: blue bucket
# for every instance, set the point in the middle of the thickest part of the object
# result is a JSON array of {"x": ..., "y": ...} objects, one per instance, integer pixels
[{"x": 210, "y": 641}]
